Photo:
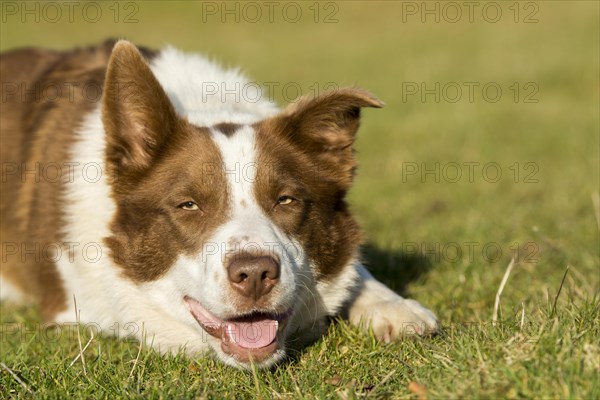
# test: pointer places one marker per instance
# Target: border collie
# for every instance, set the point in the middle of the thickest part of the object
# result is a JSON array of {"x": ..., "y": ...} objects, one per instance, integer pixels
[{"x": 217, "y": 223}]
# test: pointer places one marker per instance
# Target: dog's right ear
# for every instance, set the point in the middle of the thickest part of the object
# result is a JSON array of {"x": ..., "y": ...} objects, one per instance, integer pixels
[{"x": 138, "y": 116}]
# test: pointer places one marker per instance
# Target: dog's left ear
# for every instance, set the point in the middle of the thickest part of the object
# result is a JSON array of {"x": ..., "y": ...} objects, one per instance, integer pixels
[{"x": 326, "y": 126}]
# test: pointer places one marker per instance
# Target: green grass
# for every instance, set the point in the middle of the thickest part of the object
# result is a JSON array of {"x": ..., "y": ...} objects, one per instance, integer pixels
[{"x": 552, "y": 221}]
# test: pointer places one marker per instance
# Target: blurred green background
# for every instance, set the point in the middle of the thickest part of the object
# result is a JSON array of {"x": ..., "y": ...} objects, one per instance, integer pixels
[
  {"x": 393, "y": 48},
  {"x": 540, "y": 132},
  {"x": 543, "y": 56}
]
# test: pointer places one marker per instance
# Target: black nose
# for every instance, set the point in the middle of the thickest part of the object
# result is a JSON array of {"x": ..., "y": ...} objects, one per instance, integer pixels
[{"x": 253, "y": 276}]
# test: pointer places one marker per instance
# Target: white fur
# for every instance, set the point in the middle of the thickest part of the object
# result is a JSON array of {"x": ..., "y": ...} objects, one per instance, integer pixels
[
  {"x": 248, "y": 228},
  {"x": 388, "y": 314},
  {"x": 10, "y": 292},
  {"x": 155, "y": 311},
  {"x": 103, "y": 296},
  {"x": 207, "y": 94},
  {"x": 88, "y": 211}
]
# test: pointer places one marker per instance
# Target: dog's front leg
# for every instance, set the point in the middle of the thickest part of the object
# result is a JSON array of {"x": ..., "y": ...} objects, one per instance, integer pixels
[{"x": 390, "y": 316}]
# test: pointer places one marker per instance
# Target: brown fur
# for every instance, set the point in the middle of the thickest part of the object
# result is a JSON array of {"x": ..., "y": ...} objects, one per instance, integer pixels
[
  {"x": 168, "y": 186},
  {"x": 37, "y": 131},
  {"x": 227, "y": 128},
  {"x": 151, "y": 150},
  {"x": 306, "y": 153}
]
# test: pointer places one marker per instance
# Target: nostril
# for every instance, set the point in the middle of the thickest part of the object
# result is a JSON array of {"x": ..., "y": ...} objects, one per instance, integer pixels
[
  {"x": 243, "y": 277},
  {"x": 270, "y": 274},
  {"x": 272, "y": 271}
]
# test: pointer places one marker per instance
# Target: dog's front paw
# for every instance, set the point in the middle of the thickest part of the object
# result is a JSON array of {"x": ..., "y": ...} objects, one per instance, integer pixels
[{"x": 393, "y": 319}]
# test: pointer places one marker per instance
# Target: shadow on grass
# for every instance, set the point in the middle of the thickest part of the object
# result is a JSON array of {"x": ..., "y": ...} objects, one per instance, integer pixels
[{"x": 395, "y": 268}]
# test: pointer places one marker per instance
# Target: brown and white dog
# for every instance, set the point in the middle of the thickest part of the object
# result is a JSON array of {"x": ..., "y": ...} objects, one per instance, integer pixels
[{"x": 216, "y": 222}]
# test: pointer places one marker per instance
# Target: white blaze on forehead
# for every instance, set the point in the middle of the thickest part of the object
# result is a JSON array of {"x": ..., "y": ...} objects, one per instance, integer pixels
[
  {"x": 238, "y": 151},
  {"x": 248, "y": 228}
]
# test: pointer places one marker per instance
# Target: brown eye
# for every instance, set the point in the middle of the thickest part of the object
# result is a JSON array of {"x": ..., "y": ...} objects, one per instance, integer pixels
[
  {"x": 285, "y": 200},
  {"x": 189, "y": 206}
]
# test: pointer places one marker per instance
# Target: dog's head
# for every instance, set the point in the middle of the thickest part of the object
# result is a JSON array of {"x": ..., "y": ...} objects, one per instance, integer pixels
[{"x": 227, "y": 227}]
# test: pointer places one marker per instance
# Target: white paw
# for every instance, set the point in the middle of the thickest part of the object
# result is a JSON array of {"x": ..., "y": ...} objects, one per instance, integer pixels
[{"x": 393, "y": 319}]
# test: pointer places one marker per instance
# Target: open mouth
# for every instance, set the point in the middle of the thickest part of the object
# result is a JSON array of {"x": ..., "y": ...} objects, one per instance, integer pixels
[{"x": 248, "y": 338}]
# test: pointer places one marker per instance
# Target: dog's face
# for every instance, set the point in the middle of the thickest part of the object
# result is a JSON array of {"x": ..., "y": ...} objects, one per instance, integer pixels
[{"x": 228, "y": 227}]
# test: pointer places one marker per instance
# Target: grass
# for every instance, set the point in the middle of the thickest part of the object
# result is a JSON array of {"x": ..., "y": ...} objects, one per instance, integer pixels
[{"x": 445, "y": 243}]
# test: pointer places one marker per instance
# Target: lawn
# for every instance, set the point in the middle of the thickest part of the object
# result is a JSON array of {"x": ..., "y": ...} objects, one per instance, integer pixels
[{"x": 487, "y": 150}]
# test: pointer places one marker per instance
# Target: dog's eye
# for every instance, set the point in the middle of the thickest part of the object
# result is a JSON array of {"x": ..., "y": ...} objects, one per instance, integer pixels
[
  {"x": 285, "y": 200},
  {"x": 189, "y": 206}
]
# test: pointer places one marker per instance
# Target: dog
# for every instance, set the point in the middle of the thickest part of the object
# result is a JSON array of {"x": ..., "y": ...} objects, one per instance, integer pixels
[{"x": 214, "y": 223}]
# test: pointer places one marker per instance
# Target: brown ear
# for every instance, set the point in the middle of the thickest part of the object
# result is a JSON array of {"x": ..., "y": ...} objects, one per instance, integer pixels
[
  {"x": 326, "y": 126},
  {"x": 138, "y": 116},
  {"x": 332, "y": 118}
]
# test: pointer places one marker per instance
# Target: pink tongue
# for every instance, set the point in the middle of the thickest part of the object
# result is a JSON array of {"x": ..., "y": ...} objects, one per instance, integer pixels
[{"x": 252, "y": 334}]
